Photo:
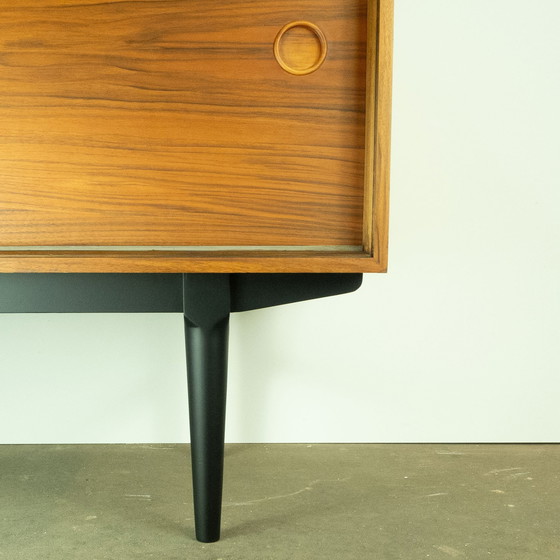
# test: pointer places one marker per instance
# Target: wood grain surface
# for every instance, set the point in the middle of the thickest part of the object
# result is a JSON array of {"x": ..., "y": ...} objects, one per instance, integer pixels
[{"x": 171, "y": 123}]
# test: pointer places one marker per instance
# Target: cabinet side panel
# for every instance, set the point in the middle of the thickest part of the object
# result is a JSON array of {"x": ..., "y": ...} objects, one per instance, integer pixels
[
  {"x": 378, "y": 129},
  {"x": 383, "y": 133}
]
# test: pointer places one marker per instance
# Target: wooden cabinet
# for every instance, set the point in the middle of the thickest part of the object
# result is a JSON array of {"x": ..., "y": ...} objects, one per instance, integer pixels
[
  {"x": 180, "y": 136},
  {"x": 194, "y": 135}
]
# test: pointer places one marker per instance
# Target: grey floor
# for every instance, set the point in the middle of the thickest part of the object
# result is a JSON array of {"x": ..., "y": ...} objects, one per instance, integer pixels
[{"x": 284, "y": 502}]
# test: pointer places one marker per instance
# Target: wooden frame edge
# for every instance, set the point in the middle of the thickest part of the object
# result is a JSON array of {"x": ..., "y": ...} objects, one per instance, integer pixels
[
  {"x": 177, "y": 262},
  {"x": 378, "y": 132}
]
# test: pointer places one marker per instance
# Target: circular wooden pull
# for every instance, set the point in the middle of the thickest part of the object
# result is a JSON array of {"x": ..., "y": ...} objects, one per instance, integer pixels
[{"x": 300, "y": 47}]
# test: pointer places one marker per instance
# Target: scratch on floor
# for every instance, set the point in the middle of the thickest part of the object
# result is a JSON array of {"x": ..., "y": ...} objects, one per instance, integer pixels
[
  {"x": 307, "y": 488},
  {"x": 445, "y": 452},
  {"x": 449, "y": 550},
  {"x": 516, "y": 475},
  {"x": 139, "y": 496},
  {"x": 437, "y": 494},
  {"x": 498, "y": 471}
]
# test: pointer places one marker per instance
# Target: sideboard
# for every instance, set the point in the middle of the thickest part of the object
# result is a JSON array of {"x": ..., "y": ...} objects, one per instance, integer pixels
[{"x": 192, "y": 156}]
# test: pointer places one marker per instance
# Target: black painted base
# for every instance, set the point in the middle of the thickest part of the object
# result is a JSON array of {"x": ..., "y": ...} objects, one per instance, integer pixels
[{"x": 206, "y": 301}]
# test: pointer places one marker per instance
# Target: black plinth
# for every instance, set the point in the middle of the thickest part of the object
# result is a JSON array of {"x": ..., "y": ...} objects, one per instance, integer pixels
[{"x": 206, "y": 300}]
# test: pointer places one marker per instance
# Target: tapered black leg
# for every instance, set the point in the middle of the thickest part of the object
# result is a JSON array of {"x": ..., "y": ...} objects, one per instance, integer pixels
[
  {"x": 206, "y": 333},
  {"x": 208, "y": 300}
]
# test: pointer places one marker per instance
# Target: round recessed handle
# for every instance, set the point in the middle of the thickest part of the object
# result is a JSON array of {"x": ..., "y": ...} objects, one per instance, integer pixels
[{"x": 300, "y": 47}]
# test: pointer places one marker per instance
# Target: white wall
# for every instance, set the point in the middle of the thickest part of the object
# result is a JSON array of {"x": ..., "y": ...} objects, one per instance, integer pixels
[{"x": 459, "y": 342}]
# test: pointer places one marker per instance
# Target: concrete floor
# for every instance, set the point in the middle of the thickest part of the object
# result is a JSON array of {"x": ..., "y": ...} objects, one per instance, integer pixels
[{"x": 383, "y": 502}]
